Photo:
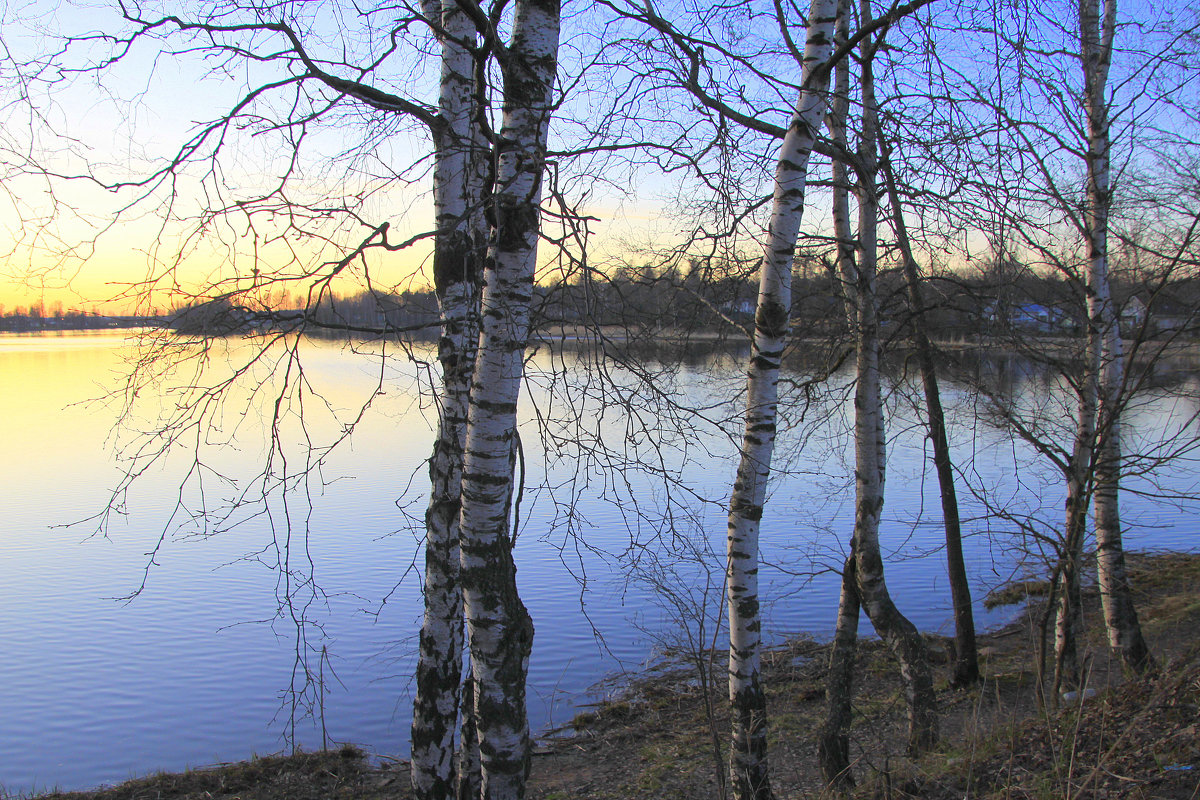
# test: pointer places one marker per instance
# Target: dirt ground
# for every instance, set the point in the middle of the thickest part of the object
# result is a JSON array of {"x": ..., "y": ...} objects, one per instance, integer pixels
[{"x": 1136, "y": 737}]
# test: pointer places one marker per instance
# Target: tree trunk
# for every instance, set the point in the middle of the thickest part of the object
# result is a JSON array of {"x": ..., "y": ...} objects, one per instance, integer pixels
[
  {"x": 439, "y": 665},
  {"x": 749, "y": 773},
  {"x": 870, "y": 446},
  {"x": 1120, "y": 617},
  {"x": 456, "y": 264},
  {"x": 1116, "y": 594},
  {"x": 498, "y": 626},
  {"x": 966, "y": 660},
  {"x": 1068, "y": 622},
  {"x": 839, "y": 112},
  {"x": 833, "y": 742},
  {"x": 468, "y": 777},
  {"x": 1079, "y": 473}
]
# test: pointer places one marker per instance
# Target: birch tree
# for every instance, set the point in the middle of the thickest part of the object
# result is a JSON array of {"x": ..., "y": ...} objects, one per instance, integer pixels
[
  {"x": 870, "y": 439},
  {"x": 499, "y": 629},
  {"x": 1079, "y": 102},
  {"x": 460, "y": 154},
  {"x": 749, "y": 774},
  {"x": 868, "y": 589},
  {"x": 1097, "y": 29},
  {"x": 309, "y": 66},
  {"x": 695, "y": 70},
  {"x": 833, "y": 741}
]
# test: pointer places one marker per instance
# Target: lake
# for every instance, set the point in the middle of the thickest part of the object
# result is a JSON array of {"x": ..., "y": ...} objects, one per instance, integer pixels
[{"x": 283, "y": 536}]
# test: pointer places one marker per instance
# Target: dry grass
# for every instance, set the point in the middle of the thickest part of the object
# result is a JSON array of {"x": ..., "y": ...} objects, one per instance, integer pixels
[{"x": 343, "y": 773}]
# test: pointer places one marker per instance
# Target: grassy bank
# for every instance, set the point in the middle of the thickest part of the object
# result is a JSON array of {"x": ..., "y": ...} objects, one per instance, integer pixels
[{"x": 656, "y": 738}]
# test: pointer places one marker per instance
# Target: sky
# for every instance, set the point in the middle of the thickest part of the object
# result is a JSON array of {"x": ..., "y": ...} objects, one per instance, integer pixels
[
  {"x": 78, "y": 240},
  {"x": 81, "y": 241}
]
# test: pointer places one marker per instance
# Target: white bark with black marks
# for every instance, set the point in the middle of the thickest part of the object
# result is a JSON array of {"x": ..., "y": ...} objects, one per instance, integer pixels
[
  {"x": 749, "y": 773},
  {"x": 1097, "y": 29},
  {"x": 457, "y": 260},
  {"x": 498, "y": 626},
  {"x": 893, "y": 627}
]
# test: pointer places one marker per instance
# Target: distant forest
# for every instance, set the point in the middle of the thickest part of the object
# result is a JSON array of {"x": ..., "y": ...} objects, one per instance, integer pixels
[
  {"x": 714, "y": 301},
  {"x": 36, "y": 318}
]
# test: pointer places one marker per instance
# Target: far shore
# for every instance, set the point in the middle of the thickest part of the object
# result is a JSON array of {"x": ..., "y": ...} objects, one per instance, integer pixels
[{"x": 1049, "y": 345}]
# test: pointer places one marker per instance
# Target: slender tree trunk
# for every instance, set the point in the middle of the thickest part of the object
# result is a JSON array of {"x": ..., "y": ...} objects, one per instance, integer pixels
[
  {"x": 966, "y": 660},
  {"x": 749, "y": 773},
  {"x": 1080, "y": 476},
  {"x": 456, "y": 264},
  {"x": 470, "y": 778},
  {"x": 839, "y": 112},
  {"x": 1068, "y": 623},
  {"x": 439, "y": 666},
  {"x": 1116, "y": 594},
  {"x": 833, "y": 742},
  {"x": 1096, "y": 33},
  {"x": 498, "y": 626},
  {"x": 901, "y": 635}
]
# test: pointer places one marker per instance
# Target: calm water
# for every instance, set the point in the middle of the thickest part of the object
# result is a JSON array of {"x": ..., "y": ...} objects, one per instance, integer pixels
[{"x": 201, "y": 666}]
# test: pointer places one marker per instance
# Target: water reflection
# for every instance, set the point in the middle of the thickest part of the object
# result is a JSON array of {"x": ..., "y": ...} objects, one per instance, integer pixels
[{"x": 289, "y": 522}]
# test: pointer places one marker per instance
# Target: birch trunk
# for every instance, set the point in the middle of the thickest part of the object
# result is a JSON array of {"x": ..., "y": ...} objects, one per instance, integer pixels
[
  {"x": 1080, "y": 476},
  {"x": 456, "y": 264},
  {"x": 1068, "y": 622},
  {"x": 749, "y": 774},
  {"x": 468, "y": 752},
  {"x": 839, "y": 113},
  {"x": 1096, "y": 32},
  {"x": 833, "y": 742},
  {"x": 966, "y": 660},
  {"x": 893, "y": 627},
  {"x": 498, "y": 626}
]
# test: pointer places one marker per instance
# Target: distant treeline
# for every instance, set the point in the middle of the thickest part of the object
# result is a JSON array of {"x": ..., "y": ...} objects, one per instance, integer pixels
[
  {"x": 1003, "y": 301},
  {"x": 369, "y": 314},
  {"x": 27, "y": 320}
]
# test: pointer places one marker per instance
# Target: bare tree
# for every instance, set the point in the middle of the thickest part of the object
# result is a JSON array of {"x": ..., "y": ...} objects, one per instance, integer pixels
[
  {"x": 748, "y": 767},
  {"x": 966, "y": 660},
  {"x": 461, "y": 155},
  {"x": 351, "y": 88},
  {"x": 1058, "y": 143},
  {"x": 499, "y": 629},
  {"x": 869, "y": 588},
  {"x": 1096, "y": 33}
]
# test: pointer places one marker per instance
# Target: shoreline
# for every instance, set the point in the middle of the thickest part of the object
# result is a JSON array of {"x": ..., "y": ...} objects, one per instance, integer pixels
[{"x": 652, "y": 738}]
